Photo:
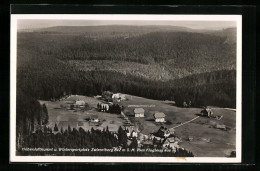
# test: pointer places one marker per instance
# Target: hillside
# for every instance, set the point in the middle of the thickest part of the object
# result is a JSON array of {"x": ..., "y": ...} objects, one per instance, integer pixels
[
  {"x": 153, "y": 64},
  {"x": 174, "y": 54}
]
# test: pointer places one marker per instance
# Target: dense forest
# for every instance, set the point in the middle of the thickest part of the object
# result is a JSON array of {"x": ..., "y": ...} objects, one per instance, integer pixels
[{"x": 201, "y": 66}]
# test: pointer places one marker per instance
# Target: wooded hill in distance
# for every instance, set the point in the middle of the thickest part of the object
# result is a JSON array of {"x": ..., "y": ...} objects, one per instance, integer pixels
[{"x": 149, "y": 61}]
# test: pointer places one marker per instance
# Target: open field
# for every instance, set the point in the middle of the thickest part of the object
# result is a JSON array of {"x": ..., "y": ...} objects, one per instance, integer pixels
[
  {"x": 64, "y": 117},
  {"x": 207, "y": 140}
]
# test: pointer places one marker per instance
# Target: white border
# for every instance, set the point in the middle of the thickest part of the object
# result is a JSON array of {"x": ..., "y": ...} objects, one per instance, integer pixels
[{"x": 120, "y": 159}]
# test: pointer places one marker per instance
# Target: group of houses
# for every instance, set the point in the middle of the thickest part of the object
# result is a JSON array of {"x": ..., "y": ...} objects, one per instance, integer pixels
[
  {"x": 158, "y": 116},
  {"x": 164, "y": 138}
]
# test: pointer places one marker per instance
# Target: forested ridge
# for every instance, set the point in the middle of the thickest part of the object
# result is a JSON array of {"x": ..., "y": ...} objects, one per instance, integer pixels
[{"x": 201, "y": 66}]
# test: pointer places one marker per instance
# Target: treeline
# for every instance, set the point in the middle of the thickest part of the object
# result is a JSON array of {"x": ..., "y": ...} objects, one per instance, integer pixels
[
  {"x": 51, "y": 78},
  {"x": 30, "y": 115},
  {"x": 113, "y": 108},
  {"x": 182, "y": 47},
  {"x": 76, "y": 139}
]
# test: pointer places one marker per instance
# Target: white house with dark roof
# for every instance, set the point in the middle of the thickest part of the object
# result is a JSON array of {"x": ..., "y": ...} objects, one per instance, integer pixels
[
  {"x": 139, "y": 112},
  {"x": 118, "y": 97},
  {"x": 80, "y": 103},
  {"x": 159, "y": 117}
]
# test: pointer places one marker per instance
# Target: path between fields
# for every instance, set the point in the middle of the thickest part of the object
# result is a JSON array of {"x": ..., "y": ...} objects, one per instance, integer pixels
[{"x": 186, "y": 122}]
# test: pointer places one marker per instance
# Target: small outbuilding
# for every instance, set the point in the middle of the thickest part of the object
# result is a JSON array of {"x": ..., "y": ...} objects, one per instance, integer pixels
[
  {"x": 139, "y": 112},
  {"x": 159, "y": 117},
  {"x": 207, "y": 112},
  {"x": 94, "y": 119}
]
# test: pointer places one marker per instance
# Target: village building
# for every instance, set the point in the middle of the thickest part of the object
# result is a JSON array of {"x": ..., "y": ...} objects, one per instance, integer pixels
[
  {"x": 118, "y": 97},
  {"x": 80, "y": 103},
  {"x": 223, "y": 127},
  {"x": 159, "y": 117},
  {"x": 171, "y": 143},
  {"x": 206, "y": 112},
  {"x": 94, "y": 119},
  {"x": 139, "y": 112},
  {"x": 134, "y": 134},
  {"x": 163, "y": 132}
]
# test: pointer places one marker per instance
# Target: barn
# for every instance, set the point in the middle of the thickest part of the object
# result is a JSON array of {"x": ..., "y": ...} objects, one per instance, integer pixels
[
  {"x": 139, "y": 112},
  {"x": 159, "y": 117}
]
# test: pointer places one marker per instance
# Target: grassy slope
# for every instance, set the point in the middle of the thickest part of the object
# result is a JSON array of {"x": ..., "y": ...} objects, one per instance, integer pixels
[
  {"x": 198, "y": 129},
  {"x": 221, "y": 142},
  {"x": 63, "y": 117}
]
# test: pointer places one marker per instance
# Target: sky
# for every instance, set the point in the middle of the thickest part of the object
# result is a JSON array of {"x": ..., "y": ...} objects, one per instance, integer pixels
[{"x": 43, "y": 23}]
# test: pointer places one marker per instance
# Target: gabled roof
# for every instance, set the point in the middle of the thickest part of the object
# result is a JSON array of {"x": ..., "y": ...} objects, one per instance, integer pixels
[
  {"x": 159, "y": 115},
  {"x": 80, "y": 102},
  {"x": 139, "y": 110}
]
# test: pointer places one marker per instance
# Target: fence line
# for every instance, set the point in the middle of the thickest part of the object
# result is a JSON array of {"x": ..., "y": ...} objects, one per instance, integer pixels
[{"x": 186, "y": 122}]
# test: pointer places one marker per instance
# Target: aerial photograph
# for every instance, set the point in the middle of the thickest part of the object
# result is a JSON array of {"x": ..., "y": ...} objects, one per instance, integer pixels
[{"x": 126, "y": 88}]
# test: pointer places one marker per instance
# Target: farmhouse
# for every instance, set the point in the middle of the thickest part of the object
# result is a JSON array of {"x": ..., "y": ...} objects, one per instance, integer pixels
[
  {"x": 159, "y": 117},
  {"x": 139, "y": 112},
  {"x": 80, "y": 103},
  {"x": 118, "y": 97},
  {"x": 163, "y": 132},
  {"x": 206, "y": 112}
]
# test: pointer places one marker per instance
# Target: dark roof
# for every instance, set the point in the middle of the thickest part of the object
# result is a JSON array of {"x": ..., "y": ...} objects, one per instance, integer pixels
[
  {"x": 163, "y": 128},
  {"x": 159, "y": 115}
]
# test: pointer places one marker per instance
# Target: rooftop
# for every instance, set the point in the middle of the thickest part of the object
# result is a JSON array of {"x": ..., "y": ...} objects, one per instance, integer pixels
[
  {"x": 138, "y": 110},
  {"x": 159, "y": 115}
]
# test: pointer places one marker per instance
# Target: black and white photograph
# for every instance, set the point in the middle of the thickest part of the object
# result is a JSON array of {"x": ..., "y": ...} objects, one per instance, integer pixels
[{"x": 130, "y": 88}]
